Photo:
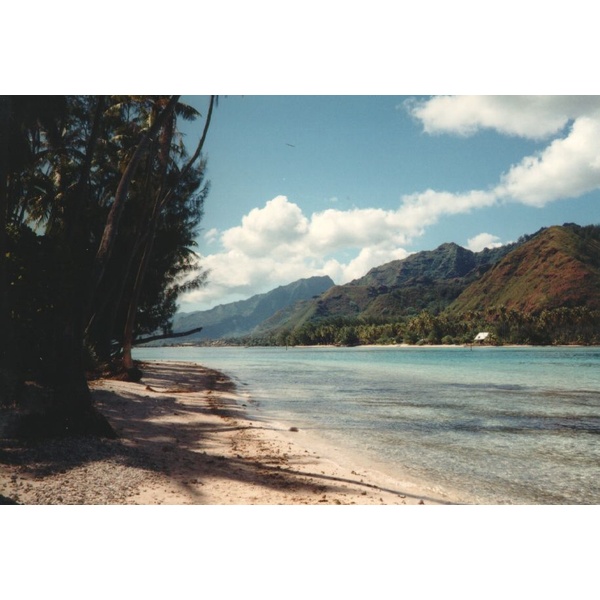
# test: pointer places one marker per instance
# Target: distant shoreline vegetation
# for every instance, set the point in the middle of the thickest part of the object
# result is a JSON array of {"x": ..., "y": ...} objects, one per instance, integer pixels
[{"x": 560, "y": 326}]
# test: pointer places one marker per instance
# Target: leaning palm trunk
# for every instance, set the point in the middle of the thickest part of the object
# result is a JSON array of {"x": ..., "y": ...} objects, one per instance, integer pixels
[
  {"x": 111, "y": 228},
  {"x": 162, "y": 200},
  {"x": 128, "y": 334},
  {"x": 148, "y": 245}
]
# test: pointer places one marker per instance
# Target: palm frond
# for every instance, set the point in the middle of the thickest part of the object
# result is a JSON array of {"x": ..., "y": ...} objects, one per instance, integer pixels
[{"x": 186, "y": 112}]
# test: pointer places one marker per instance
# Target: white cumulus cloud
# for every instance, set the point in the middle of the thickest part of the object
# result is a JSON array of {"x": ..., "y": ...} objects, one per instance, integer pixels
[
  {"x": 482, "y": 241},
  {"x": 277, "y": 224},
  {"x": 568, "y": 167},
  {"x": 211, "y": 235},
  {"x": 526, "y": 116},
  {"x": 425, "y": 208},
  {"x": 333, "y": 229},
  {"x": 277, "y": 244}
]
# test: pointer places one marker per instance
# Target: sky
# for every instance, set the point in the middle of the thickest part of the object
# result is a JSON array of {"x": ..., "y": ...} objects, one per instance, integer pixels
[{"x": 336, "y": 185}]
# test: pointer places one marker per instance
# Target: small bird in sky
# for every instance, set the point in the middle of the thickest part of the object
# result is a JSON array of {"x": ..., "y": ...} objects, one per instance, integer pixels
[{"x": 290, "y": 145}]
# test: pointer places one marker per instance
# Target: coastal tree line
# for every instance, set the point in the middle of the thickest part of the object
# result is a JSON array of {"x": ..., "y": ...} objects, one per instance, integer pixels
[
  {"x": 565, "y": 325},
  {"x": 100, "y": 202}
]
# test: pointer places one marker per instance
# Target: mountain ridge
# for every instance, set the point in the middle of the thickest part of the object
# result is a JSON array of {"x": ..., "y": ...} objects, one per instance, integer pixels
[
  {"x": 559, "y": 267},
  {"x": 426, "y": 280},
  {"x": 553, "y": 268},
  {"x": 240, "y": 318}
]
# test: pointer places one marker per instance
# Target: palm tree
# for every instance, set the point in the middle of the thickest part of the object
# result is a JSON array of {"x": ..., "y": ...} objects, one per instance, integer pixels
[
  {"x": 73, "y": 169},
  {"x": 164, "y": 199}
]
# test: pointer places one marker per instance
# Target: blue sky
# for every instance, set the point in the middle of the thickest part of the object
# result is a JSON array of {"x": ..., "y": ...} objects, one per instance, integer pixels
[{"x": 313, "y": 185}]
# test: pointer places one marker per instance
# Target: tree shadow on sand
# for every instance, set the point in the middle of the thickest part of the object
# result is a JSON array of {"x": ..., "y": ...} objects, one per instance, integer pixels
[{"x": 155, "y": 433}]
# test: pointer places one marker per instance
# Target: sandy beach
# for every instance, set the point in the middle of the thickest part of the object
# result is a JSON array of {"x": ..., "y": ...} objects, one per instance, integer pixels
[{"x": 185, "y": 436}]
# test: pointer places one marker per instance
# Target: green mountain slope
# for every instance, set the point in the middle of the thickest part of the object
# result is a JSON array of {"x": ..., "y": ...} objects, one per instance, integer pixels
[
  {"x": 240, "y": 318},
  {"x": 558, "y": 267},
  {"x": 448, "y": 261}
]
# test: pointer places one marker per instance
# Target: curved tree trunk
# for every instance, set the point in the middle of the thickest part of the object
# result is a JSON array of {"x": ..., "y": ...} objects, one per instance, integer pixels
[
  {"x": 162, "y": 199},
  {"x": 111, "y": 228}
]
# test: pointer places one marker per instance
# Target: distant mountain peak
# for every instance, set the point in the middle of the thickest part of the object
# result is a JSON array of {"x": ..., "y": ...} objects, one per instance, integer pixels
[{"x": 236, "y": 319}]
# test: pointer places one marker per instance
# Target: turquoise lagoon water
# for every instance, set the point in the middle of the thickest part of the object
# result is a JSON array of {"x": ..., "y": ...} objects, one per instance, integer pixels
[{"x": 496, "y": 425}]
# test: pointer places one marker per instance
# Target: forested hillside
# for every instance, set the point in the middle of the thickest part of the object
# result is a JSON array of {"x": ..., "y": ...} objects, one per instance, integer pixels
[
  {"x": 558, "y": 268},
  {"x": 429, "y": 280},
  {"x": 240, "y": 318},
  {"x": 544, "y": 289}
]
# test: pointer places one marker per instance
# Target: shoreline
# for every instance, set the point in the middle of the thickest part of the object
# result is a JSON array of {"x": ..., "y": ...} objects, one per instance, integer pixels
[
  {"x": 187, "y": 436},
  {"x": 401, "y": 345}
]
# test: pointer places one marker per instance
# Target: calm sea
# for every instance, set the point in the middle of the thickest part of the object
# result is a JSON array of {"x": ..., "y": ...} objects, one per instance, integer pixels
[{"x": 495, "y": 425}]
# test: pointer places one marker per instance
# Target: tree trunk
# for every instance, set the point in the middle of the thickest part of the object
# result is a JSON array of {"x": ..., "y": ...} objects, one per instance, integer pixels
[
  {"x": 161, "y": 201},
  {"x": 70, "y": 383},
  {"x": 5, "y": 324},
  {"x": 114, "y": 216},
  {"x": 133, "y": 305},
  {"x": 9, "y": 376},
  {"x": 167, "y": 336},
  {"x": 148, "y": 245}
]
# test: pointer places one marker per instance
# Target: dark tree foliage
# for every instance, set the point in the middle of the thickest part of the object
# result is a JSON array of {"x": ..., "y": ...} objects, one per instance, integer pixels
[{"x": 99, "y": 207}]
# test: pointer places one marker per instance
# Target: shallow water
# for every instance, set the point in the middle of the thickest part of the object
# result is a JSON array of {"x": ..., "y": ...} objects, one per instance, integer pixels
[{"x": 496, "y": 425}]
